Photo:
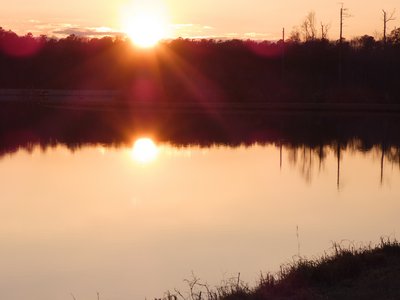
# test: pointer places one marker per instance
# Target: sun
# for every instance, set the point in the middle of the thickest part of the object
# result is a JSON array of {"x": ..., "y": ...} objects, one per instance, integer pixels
[
  {"x": 146, "y": 30},
  {"x": 145, "y": 24},
  {"x": 144, "y": 150}
]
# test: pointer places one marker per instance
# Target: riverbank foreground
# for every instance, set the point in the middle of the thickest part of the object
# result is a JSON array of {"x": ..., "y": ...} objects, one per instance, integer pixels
[{"x": 348, "y": 273}]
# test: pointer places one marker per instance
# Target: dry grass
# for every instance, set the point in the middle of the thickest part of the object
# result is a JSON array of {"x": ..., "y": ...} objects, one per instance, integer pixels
[{"x": 347, "y": 272}]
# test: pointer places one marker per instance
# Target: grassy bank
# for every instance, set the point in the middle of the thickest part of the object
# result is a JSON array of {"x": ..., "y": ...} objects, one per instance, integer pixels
[{"x": 371, "y": 272}]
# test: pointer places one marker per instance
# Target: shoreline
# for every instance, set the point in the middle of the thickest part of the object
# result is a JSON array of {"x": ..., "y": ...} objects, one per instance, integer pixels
[
  {"x": 114, "y": 99},
  {"x": 347, "y": 273}
]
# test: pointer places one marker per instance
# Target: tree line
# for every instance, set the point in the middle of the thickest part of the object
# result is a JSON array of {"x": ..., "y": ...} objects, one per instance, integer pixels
[{"x": 292, "y": 70}]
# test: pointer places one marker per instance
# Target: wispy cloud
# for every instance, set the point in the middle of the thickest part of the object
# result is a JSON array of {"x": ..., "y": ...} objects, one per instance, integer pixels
[
  {"x": 88, "y": 31},
  {"x": 192, "y": 30},
  {"x": 258, "y": 36},
  {"x": 180, "y": 26},
  {"x": 202, "y": 31},
  {"x": 61, "y": 29}
]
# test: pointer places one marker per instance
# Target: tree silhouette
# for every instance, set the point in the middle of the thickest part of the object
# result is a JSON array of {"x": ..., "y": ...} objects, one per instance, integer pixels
[
  {"x": 394, "y": 36},
  {"x": 309, "y": 28},
  {"x": 386, "y": 19},
  {"x": 324, "y": 30}
]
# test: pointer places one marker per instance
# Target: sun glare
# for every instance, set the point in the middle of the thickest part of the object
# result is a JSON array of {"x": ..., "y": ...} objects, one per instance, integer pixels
[
  {"x": 146, "y": 24},
  {"x": 144, "y": 150}
]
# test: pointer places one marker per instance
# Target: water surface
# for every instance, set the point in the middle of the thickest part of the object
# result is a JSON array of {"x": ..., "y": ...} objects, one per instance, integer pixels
[{"x": 98, "y": 219}]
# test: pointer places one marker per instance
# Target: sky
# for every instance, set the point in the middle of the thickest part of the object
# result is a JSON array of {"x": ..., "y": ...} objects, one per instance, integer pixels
[{"x": 256, "y": 19}]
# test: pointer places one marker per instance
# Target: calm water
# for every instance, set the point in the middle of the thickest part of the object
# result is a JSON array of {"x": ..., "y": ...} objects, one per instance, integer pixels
[{"x": 130, "y": 225}]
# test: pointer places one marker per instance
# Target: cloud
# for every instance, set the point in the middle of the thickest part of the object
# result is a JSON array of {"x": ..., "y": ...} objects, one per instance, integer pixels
[
  {"x": 88, "y": 31},
  {"x": 202, "y": 31},
  {"x": 179, "y": 26},
  {"x": 257, "y": 35},
  {"x": 193, "y": 30},
  {"x": 60, "y": 29}
]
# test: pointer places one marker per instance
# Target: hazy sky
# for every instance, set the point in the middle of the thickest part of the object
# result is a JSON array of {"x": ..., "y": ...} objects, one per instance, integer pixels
[{"x": 238, "y": 18}]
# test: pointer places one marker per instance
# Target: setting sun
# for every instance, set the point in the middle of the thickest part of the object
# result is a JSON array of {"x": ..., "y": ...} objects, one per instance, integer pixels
[
  {"x": 146, "y": 24},
  {"x": 144, "y": 150}
]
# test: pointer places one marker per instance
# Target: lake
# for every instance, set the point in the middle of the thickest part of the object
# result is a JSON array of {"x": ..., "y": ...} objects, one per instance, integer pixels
[{"x": 132, "y": 222}]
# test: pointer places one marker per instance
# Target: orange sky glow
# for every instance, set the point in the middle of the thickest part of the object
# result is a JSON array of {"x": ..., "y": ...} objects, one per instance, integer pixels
[{"x": 254, "y": 19}]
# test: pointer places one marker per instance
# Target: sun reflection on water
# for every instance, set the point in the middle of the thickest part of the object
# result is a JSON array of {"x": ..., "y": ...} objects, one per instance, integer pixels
[{"x": 144, "y": 150}]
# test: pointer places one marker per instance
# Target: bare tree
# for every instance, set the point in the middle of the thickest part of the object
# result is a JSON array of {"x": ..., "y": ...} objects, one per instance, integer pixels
[
  {"x": 377, "y": 35},
  {"x": 309, "y": 28},
  {"x": 386, "y": 19},
  {"x": 295, "y": 35},
  {"x": 324, "y": 30}
]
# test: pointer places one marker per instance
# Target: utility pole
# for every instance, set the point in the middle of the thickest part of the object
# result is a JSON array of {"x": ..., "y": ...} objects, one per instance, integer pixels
[
  {"x": 339, "y": 157},
  {"x": 341, "y": 25},
  {"x": 382, "y": 161},
  {"x": 343, "y": 14}
]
